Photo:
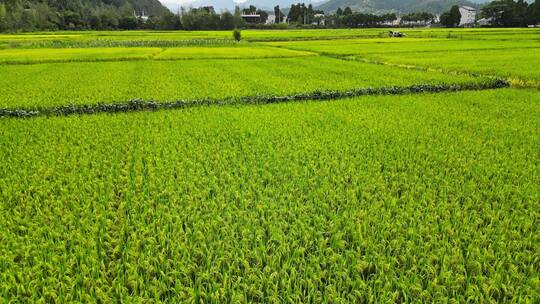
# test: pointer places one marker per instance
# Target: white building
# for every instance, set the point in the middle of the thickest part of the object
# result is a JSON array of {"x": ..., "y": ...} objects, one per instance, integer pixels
[
  {"x": 468, "y": 15},
  {"x": 485, "y": 21},
  {"x": 251, "y": 18},
  {"x": 141, "y": 16},
  {"x": 271, "y": 19},
  {"x": 319, "y": 19}
]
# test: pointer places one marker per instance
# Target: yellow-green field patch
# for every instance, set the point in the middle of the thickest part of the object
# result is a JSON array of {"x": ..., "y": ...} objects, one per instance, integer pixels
[
  {"x": 68, "y": 55},
  {"x": 229, "y": 53}
]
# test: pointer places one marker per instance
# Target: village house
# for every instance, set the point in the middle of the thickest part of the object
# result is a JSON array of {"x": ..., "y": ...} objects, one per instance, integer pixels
[
  {"x": 468, "y": 16},
  {"x": 251, "y": 18},
  {"x": 140, "y": 15},
  {"x": 271, "y": 19},
  {"x": 319, "y": 19},
  {"x": 485, "y": 21}
]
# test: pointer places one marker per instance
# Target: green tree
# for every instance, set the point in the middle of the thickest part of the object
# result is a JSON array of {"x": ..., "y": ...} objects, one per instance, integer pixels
[
  {"x": 227, "y": 21},
  {"x": 533, "y": 13},
  {"x": 45, "y": 18},
  {"x": 94, "y": 21},
  {"x": 3, "y": 18},
  {"x": 263, "y": 14},
  {"x": 347, "y": 11},
  {"x": 109, "y": 20},
  {"x": 506, "y": 13},
  {"x": 419, "y": 16},
  {"x": 237, "y": 35},
  {"x": 72, "y": 20},
  {"x": 28, "y": 19},
  {"x": 168, "y": 22},
  {"x": 127, "y": 23},
  {"x": 278, "y": 14},
  {"x": 451, "y": 18}
]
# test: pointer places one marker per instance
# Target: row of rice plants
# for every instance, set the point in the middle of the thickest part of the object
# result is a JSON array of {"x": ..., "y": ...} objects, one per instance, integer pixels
[
  {"x": 129, "y": 38},
  {"x": 33, "y": 56},
  {"x": 519, "y": 66},
  {"x": 38, "y": 56},
  {"x": 204, "y": 37},
  {"x": 229, "y": 53},
  {"x": 50, "y": 85},
  {"x": 428, "y": 198},
  {"x": 512, "y": 60},
  {"x": 143, "y": 105},
  {"x": 513, "y": 34},
  {"x": 101, "y": 43},
  {"x": 402, "y": 46}
]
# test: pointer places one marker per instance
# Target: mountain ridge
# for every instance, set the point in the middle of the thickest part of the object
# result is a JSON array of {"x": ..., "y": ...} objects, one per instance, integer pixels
[
  {"x": 151, "y": 7},
  {"x": 32, "y": 15}
]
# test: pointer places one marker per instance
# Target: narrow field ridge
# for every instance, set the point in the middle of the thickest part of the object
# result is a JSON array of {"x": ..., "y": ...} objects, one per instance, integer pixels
[{"x": 150, "y": 105}]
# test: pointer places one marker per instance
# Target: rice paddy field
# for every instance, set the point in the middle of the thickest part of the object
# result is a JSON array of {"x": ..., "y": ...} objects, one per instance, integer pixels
[{"x": 295, "y": 166}]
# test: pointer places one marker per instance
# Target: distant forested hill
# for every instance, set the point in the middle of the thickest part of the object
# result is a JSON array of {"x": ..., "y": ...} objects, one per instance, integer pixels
[
  {"x": 379, "y": 6},
  {"x": 72, "y": 14}
]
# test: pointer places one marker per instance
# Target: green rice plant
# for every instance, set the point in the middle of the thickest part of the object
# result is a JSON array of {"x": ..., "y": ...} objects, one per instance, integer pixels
[
  {"x": 34, "y": 56},
  {"x": 237, "y": 192},
  {"x": 519, "y": 66},
  {"x": 49, "y": 85},
  {"x": 427, "y": 197},
  {"x": 310, "y": 34},
  {"x": 514, "y": 34},
  {"x": 31, "y": 56},
  {"x": 145, "y": 105},
  {"x": 128, "y": 38},
  {"x": 513, "y": 60},
  {"x": 101, "y": 43},
  {"x": 401, "y": 46},
  {"x": 229, "y": 53}
]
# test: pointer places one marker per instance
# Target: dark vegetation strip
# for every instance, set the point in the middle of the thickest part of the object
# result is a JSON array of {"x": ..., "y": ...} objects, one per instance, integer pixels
[
  {"x": 150, "y": 105},
  {"x": 97, "y": 43}
]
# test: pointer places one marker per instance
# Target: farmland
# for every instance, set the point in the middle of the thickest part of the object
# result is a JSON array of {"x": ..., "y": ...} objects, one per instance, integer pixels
[
  {"x": 516, "y": 61},
  {"x": 294, "y": 166},
  {"x": 44, "y": 85}
]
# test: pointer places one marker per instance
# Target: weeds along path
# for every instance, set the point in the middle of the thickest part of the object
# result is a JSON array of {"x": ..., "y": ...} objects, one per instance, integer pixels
[
  {"x": 143, "y": 105},
  {"x": 39, "y": 87}
]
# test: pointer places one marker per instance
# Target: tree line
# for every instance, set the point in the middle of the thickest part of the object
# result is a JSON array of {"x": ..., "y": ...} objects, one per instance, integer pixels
[
  {"x": 509, "y": 13},
  {"x": 347, "y": 18},
  {"x": 31, "y": 15},
  {"x": 16, "y": 15},
  {"x": 108, "y": 17}
]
